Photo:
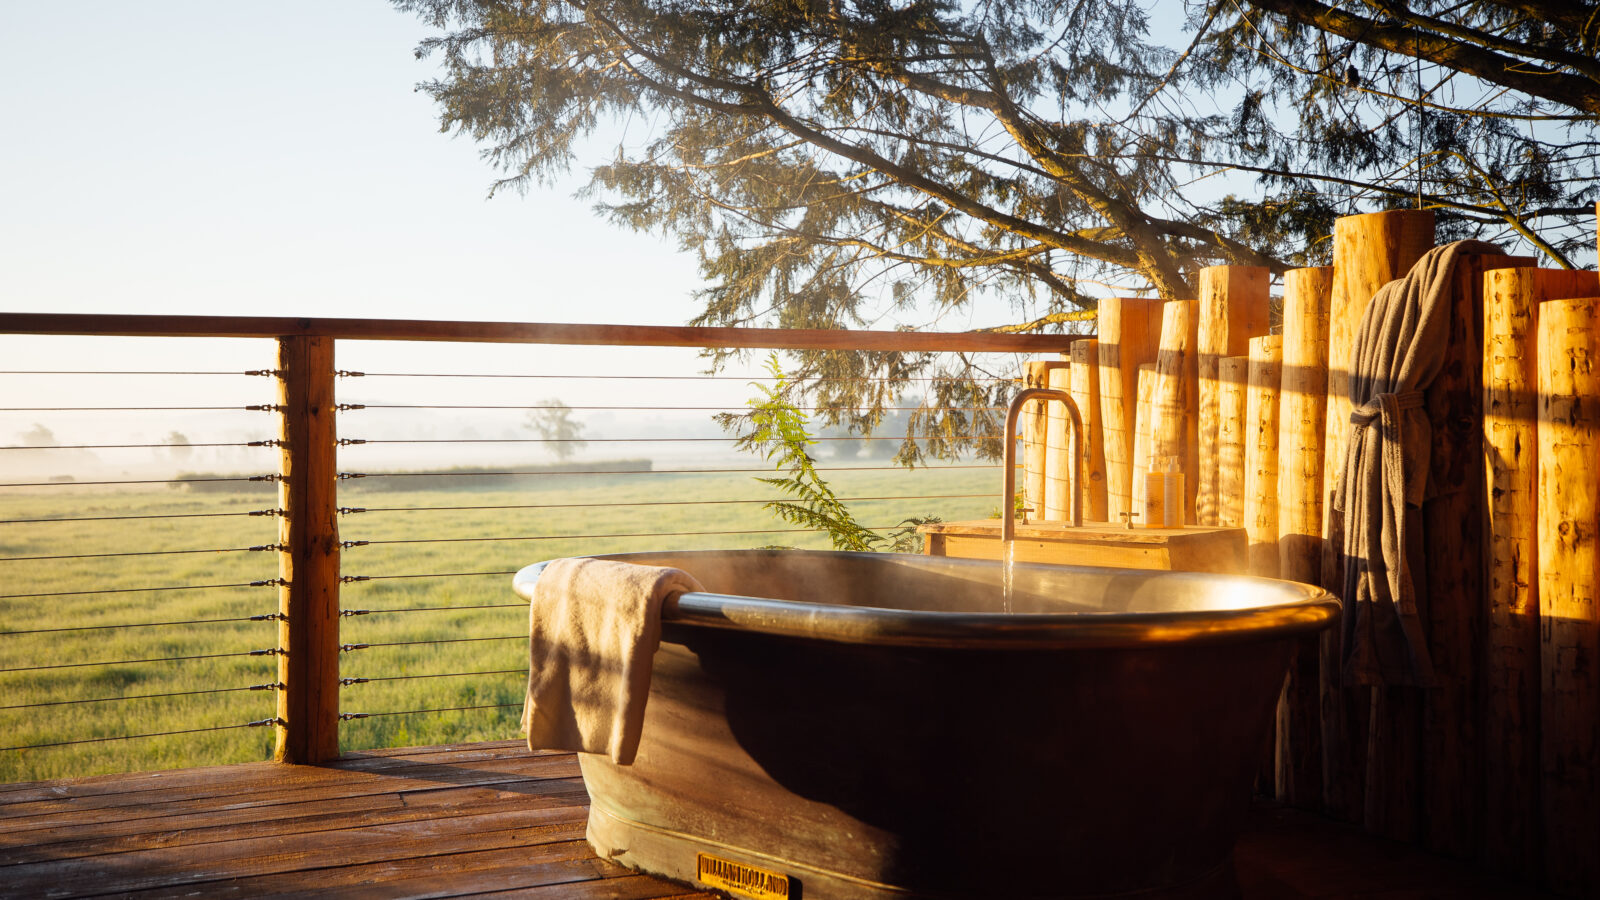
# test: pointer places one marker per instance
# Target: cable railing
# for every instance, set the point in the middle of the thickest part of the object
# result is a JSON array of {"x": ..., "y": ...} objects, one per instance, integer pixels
[
  {"x": 671, "y": 497},
  {"x": 138, "y": 615},
  {"x": 393, "y": 623}
]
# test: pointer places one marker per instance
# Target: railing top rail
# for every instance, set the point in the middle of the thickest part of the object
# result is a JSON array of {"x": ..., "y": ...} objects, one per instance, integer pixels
[{"x": 529, "y": 333}]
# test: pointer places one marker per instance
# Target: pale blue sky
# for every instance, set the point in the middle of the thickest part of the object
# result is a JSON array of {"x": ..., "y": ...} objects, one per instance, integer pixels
[{"x": 272, "y": 159}]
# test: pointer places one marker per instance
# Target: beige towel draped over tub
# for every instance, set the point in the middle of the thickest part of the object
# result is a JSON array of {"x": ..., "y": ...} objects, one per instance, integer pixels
[{"x": 593, "y": 629}]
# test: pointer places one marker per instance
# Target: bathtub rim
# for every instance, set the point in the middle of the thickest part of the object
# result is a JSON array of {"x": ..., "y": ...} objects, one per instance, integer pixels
[{"x": 1306, "y": 610}]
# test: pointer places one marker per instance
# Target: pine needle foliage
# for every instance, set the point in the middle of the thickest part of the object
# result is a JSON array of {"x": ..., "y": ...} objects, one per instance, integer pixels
[{"x": 836, "y": 164}]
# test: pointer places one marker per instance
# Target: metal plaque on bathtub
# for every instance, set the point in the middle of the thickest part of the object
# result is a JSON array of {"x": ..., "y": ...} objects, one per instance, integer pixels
[{"x": 740, "y": 879}]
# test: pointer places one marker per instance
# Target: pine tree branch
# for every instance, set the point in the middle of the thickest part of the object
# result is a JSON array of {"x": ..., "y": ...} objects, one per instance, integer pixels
[
  {"x": 1573, "y": 91},
  {"x": 1401, "y": 12},
  {"x": 760, "y": 103},
  {"x": 1060, "y": 318}
]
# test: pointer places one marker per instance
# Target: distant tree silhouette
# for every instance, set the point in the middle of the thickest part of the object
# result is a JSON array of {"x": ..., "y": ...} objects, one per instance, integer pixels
[
  {"x": 178, "y": 446},
  {"x": 553, "y": 421},
  {"x": 38, "y": 436}
]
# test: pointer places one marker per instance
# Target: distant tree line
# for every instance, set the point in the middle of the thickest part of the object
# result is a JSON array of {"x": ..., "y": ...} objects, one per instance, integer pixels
[{"x": 460, "y": 478}]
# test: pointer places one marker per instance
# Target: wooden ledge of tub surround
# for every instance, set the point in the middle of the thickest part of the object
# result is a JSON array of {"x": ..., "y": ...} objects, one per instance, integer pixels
[{"x": 1189, "y": 549}]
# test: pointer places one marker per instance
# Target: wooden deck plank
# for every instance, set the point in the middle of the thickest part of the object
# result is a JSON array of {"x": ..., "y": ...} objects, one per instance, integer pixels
[
  {"x": 441, "y": 875},
  {"x": 517, "y": 745},
  {"x": 582, "y": 876},
  {"x": 252, "y": 857},
  {"x": 491, "y": 821},
  {"x": 306, "y": 817},
  {"x": 305, "y": 782},
  {"x": 632, "y": 887},
  {"x": 214, "y": 776},
  {"x": 120, "y": 782}
]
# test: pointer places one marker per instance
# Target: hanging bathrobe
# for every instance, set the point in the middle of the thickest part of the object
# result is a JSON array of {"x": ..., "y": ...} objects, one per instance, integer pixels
[{"x": 1397, "y": 352}]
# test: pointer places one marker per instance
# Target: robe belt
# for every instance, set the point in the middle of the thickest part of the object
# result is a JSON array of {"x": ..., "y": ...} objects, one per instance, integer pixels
[{"x": 1374, "y": 408}]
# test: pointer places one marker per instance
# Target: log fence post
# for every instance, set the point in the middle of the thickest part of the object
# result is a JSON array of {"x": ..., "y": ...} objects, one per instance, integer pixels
[
  {"x": 1260, "y": 489},
  {"x": 1143, "y": 427},
  {"x": 1234, "y": 307},
  {"x": 1128, "y": 330},
  {"x": 1228, "y": 448},
  {"x": 1086, "y": 393},
  {"x": 1569, "y": 583},
  {"x": 1511, "y": 641},
  {"x": 1302, "y": 419},
  {"x": 1369, "y": 251},
  {"x": 1454, "y": 608},
  {"x": 1058, "y": 474},
  {"x": 1174, "y": 420},
  {"x": 1036, "y": 374}
]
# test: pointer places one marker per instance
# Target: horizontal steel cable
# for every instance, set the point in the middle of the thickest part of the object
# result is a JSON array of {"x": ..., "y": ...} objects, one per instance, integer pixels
[
  {"x": 264, "y": 617},
  {"x": 258, "y": 687},
  {"x": 551, "y": 472},
  {"x": 563, "y": 537},
  {"x": 133, "y": 409},
  {"x": 427, "y": 575},
  {"x": 261, "y": 617},
  {"x": 628, "y": 440},
  {"x": 138, "y": 553},
  {"x": 417, "y": 712},
  {"x": 262, "y": 443},
  {"x": 130, "y": 737},
  {"x": 141, "y": 590},
  {"x": 510, "y": 637},
  {"x": 360, "y": 406},
  {"x": 136, "y": 372},
  {"x": 129, "y": 662},
  {"x": 351, "y": 681},
  {"x": 138, "y": 480},
  {"x": 407, "y": 609},
  {"x": 649, "y": 503},
  {"x": 216, "y": 515},
  {"x": 746, "y": 378}
]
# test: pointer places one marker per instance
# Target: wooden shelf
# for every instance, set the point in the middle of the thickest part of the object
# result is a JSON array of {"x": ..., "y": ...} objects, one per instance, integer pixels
[{"x": 1190, "y": 549}]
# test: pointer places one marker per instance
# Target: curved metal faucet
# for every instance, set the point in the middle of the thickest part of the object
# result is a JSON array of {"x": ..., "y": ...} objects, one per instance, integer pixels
[{"x": 1008, "y": 521}]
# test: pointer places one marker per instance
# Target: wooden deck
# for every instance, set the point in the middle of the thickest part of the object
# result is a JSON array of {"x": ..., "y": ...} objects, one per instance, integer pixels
[{"x": 481, "y": 820}]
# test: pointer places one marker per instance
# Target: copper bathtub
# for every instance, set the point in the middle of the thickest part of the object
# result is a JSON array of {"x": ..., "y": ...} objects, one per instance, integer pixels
[{"x": 852, "y": 725}]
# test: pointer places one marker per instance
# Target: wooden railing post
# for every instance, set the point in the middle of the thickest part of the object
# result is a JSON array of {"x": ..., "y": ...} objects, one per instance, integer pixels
[{"x": 308, "y": 558}]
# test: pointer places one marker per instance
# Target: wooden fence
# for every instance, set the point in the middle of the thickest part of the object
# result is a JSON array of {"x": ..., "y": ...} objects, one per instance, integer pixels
[{"x": 1500, "y": 761}]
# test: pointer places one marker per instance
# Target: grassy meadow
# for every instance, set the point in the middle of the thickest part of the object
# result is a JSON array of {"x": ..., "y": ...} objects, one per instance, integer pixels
[{"x": 98, "y": 685}]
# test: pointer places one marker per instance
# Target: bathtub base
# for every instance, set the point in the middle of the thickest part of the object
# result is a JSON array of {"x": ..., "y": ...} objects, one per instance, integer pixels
[
  {"x": 673, "y": 855},
  {"x": 844, "y": 768}
]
